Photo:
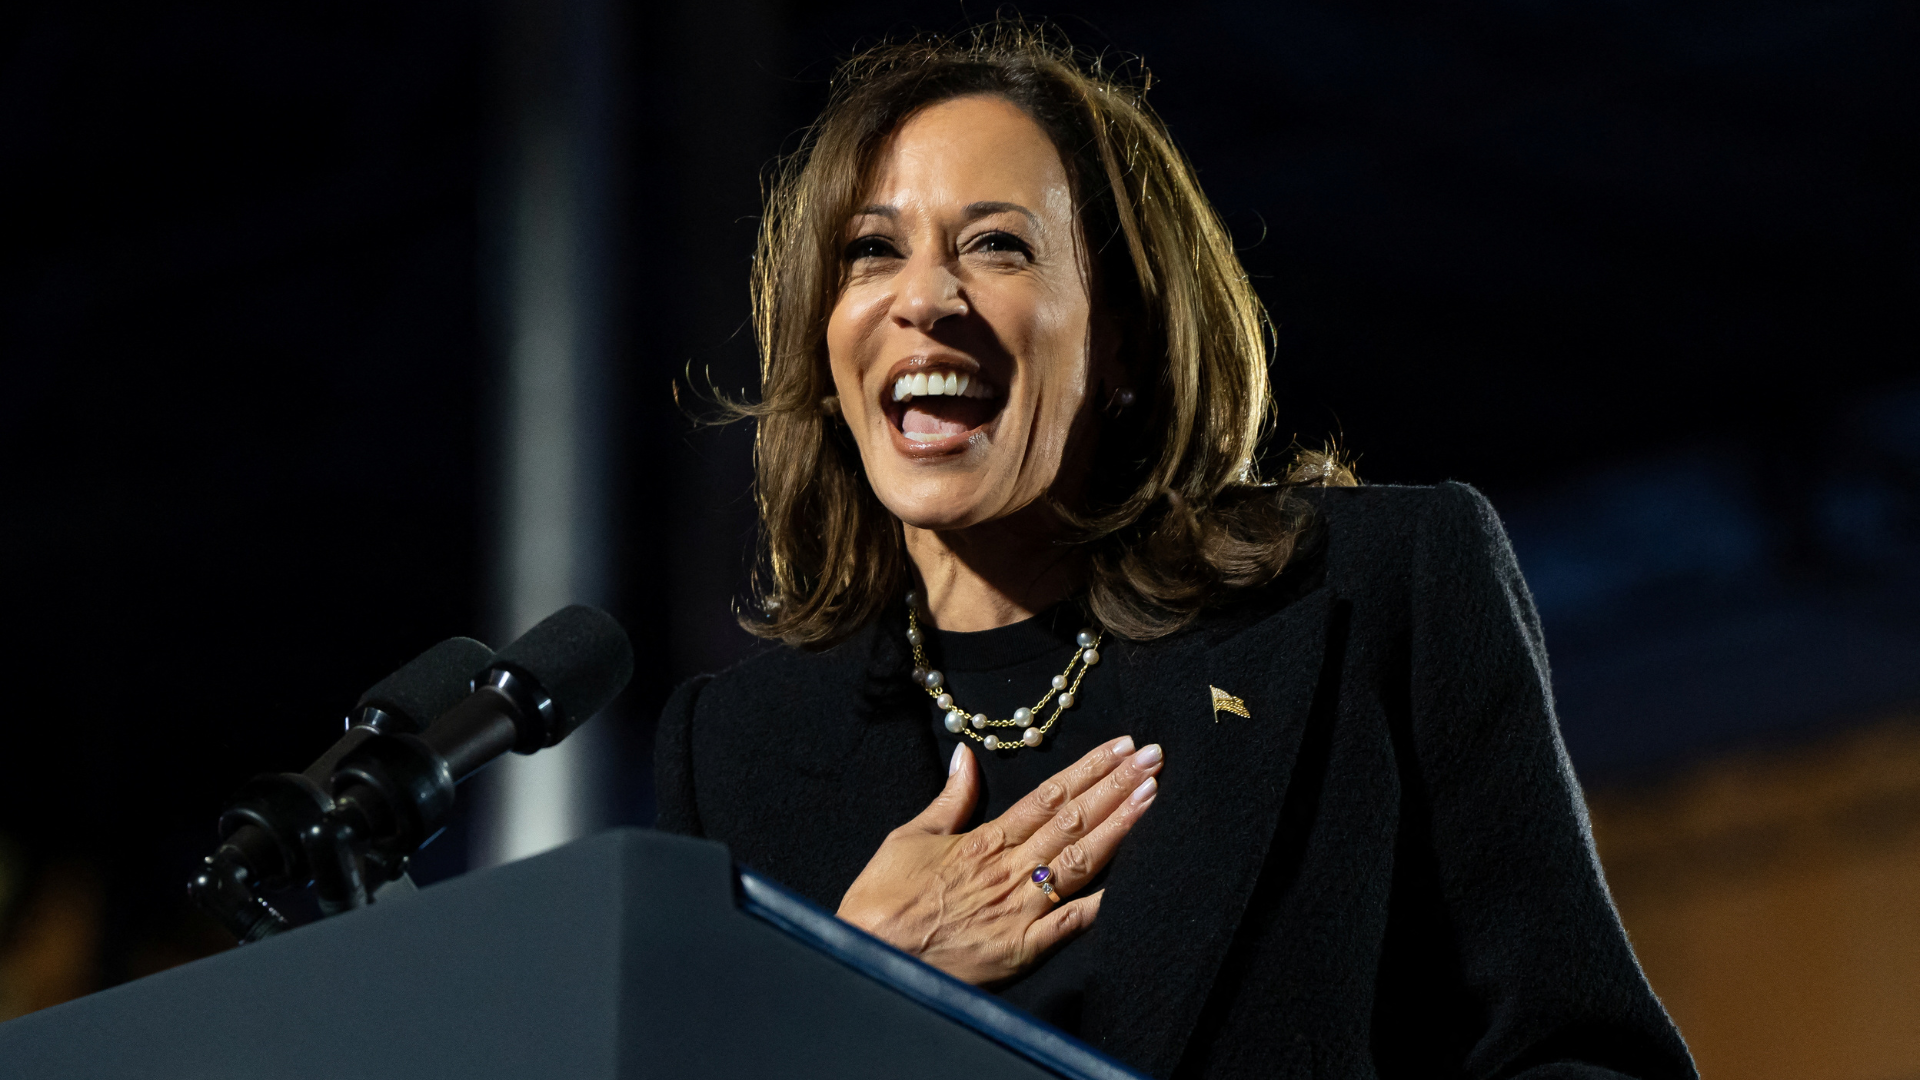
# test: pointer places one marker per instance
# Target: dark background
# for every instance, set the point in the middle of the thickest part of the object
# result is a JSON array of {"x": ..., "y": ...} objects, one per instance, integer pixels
[{"x": 1643, "y": 273}]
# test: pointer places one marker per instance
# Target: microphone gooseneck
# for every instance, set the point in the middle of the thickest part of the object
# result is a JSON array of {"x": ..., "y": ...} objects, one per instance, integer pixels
[{"x": 262, "y": 830}]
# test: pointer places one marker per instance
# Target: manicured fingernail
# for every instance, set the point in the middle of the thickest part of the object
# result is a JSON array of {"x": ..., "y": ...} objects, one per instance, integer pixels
[
  {"x": 1149, "y": 756},
  {"x": 1145, "y": 791},
  {"x": 1124, "y": 746},
  {"x": 959, "y": 755}
]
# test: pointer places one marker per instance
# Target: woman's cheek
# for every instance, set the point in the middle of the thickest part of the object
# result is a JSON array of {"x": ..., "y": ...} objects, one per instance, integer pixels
[{"x": 848, "y": 357}]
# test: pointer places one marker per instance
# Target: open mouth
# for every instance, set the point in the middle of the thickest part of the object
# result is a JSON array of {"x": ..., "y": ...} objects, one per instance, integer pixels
[{"x": 940, "y": 408}]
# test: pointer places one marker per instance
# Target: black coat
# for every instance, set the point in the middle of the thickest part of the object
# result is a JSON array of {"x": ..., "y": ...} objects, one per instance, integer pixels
[{"x": 1387, "y": 870}]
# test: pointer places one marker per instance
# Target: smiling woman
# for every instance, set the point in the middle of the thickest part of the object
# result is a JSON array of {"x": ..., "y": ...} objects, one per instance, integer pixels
[
  {"x": 968, "y": 265},
  {"x": 1014, "y": 382},
  {"x": 1104, "y": 317}
]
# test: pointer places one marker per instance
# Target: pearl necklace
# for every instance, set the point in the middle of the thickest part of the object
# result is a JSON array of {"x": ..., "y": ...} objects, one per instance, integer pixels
[{"x": 1086, "y": 653}]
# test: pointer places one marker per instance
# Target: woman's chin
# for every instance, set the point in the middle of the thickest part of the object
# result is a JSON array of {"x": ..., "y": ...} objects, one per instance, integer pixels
[{"x": 939, "y": 505}]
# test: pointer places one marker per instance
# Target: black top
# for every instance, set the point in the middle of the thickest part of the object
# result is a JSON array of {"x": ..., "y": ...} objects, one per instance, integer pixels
[
  {"x": 1386, "y": 870},
  {"x": 995, "y": 672}
]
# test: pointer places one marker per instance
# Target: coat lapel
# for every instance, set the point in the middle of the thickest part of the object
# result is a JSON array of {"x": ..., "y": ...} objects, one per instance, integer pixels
[{"x": 1180, "y": 885}]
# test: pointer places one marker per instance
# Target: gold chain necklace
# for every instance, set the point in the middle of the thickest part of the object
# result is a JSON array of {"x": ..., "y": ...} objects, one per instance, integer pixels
[{"x": 1066, "y": 685}]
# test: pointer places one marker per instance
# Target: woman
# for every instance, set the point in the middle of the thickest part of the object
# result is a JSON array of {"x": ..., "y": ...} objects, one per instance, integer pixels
[{"x": 1228, "y": 778}]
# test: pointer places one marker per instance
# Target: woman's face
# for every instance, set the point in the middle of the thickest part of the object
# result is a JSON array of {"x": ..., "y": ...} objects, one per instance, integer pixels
[{"x": 963, "y": 343}]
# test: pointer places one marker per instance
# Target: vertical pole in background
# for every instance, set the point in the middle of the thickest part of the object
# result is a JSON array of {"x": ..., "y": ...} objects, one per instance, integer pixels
[{"x": 547, "y": 225}]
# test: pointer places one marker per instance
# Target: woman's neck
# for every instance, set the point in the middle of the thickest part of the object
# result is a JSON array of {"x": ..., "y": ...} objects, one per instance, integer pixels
[{"x": 990, "y": 575}]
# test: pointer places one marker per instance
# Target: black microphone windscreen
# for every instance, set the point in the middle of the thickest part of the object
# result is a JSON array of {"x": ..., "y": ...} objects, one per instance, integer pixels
[
  {"x": 580, "y": 656},
  {"x": 430, "y": 683}
]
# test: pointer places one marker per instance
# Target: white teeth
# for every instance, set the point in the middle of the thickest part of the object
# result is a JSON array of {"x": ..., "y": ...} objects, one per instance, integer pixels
[
  {"x": 921, "y": 436},
  {"x": 939, "y": 384}
]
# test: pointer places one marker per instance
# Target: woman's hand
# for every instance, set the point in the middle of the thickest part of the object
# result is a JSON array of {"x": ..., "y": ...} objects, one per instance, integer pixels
[{"x": 965, "y": 902}]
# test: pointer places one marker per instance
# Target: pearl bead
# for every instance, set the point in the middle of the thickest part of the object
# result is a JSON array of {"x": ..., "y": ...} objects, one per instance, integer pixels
[
  {"x": 920, "y": 675},
  {"x": 1059, "y": 682},
  {"x": 1023, "y": 716},
  {"x": 913, "y": 599},
  {"x": 1066, "y": 701},
  {"x": 1032, "y": 737},
  {"x": 991, "y": 742},
  {"x": 979, "y": 720},
  {"x": 914, "y": 636},
  {"x": 1090, "y": 657},
  {"x": 933, "y": 679},
  {"x": 945, "y": 701},
  {"x": 1085, "y": 638},
  {"x": 956, "y": 720}
]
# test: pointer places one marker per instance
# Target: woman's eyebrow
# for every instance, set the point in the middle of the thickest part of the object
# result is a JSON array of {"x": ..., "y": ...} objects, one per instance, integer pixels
[
  {"x": 982, "y": 209},
  {"x": 974, "y": 211}
]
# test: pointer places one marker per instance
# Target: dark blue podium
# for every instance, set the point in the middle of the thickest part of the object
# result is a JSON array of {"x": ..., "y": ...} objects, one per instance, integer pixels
[{"x": 629, "y": 954}]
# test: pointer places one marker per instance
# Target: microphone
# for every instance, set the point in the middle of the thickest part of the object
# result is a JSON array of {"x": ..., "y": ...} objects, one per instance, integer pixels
[
  {"x": 408, "y": 700},
  {"x": 263, "y": 827},
  {"x": 393, "y": 791}
]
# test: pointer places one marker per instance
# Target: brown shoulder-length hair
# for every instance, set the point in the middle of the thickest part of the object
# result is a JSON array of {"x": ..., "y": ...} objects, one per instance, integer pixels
[{"x": 1177, "y": 518}]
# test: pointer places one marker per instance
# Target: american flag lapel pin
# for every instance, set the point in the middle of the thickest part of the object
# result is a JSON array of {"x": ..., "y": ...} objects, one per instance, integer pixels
[{"x": 1225, "y": 702}]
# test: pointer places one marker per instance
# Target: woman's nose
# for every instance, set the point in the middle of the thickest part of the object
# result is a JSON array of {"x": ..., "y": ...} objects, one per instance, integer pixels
[{"x": 929, "y": 292}]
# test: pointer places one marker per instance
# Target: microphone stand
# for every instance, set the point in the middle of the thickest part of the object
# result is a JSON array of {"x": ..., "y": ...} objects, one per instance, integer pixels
[
  {"x": 259, "y": 848},
  {"x": 266, "y": 835}
]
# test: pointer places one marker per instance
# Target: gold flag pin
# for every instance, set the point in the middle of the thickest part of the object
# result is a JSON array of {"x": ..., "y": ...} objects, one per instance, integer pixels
[{"x": 1225, "y": 702}]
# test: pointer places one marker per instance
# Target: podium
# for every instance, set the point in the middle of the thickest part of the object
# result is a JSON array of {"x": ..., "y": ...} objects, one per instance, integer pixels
[{"x": 625, "y": 955}]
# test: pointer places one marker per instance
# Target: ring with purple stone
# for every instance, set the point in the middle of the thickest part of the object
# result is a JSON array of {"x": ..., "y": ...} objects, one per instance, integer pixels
[{"x": 1043, "y": 880}]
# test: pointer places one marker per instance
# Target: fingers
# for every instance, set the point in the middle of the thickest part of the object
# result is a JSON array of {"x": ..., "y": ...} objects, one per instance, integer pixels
[
  {"x": 1062, "y": 924},
  {"x": 1080, "y": 860},
  {"x": 1078, "y": 840},
  {"x": 949, "y": 810},
  {"x": 1029, "y": 814}
]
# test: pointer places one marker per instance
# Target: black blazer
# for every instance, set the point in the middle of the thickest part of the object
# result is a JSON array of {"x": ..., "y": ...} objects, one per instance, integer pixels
[{"x": 1386, "y": 871}]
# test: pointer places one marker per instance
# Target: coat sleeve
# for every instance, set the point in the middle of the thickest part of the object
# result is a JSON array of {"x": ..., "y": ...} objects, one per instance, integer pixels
[
  {"x": 673, "y": 761},
  {"x": 1555, "y": 985}
]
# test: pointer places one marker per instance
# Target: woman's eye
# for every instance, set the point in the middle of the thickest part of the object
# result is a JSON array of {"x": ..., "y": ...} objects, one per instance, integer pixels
[
  {"x": 1001, "y": 242},
  {"x": 870, "y": 247}
]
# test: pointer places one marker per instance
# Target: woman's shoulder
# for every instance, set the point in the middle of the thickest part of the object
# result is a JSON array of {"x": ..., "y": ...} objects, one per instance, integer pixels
[
  {"x": 1388, "y": 509},
  {"x": 1377, "y": 545},
  {"x": 1379, "y": 529},
  {"x": 774, "y": 672},
  {"x": 728, "y": 714}
]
